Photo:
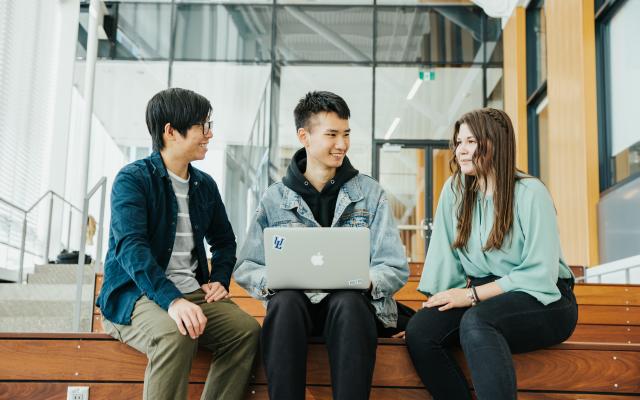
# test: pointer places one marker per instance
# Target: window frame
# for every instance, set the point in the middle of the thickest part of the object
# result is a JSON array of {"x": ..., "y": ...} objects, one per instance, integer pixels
[
  {"x": 535, "y": 95},
  {"x": 607, "y": 168}
]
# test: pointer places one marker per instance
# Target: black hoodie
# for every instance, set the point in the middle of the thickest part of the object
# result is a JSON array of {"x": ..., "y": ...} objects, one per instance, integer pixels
[{"x": 322, "y": 204}]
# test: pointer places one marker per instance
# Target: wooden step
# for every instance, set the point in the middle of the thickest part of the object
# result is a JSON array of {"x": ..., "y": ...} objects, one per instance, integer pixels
[
  {"x": 606, "y": 334},
  {"x": 117, "y": 391},
  {"x": 569, "y": 367},
  {"x": 607, "y": 294}
]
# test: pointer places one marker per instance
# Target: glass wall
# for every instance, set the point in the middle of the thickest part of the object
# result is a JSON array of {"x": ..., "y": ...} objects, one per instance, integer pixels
[
  {"x": 429, "y": 34},
  {"x": 324, "y": 33},
  {"x": 618, "y": 80},
  {"x": 618, "y": 63},
  {"x": 424, "y": 103},
  {"x": 623, "y": 82},
  {"x": 216, "y": 32},
  {"x": 406, "y": 70}
]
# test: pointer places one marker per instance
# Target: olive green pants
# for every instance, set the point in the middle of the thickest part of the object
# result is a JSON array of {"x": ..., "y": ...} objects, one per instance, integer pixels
[{"x": 231, "y": 335}]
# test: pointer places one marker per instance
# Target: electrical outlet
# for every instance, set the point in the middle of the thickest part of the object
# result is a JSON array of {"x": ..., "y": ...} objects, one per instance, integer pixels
[{"x": 77, "y": 392}]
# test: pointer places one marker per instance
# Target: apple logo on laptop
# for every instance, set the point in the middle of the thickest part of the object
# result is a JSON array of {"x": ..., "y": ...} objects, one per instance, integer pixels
[{"x": 317, "y": 260}]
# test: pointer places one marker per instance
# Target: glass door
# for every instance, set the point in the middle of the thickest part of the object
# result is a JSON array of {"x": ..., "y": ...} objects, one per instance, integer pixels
[{"x": 412, "y": 175}]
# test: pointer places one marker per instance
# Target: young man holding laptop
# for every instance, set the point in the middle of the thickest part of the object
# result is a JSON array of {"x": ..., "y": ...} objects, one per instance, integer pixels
[{"x": 322, "y": 189}]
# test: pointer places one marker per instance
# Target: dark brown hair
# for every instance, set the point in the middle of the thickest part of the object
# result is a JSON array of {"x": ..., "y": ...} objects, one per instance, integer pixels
[{"x": 495, "y": 156}]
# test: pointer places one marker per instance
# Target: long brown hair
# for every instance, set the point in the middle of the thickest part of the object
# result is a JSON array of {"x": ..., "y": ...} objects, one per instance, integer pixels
[{"x": 495, "y": 156}]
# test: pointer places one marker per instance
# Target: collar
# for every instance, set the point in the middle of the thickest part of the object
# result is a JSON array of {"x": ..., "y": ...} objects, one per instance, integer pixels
[
  {"x": 351, "y": 189},
  {"x": 158, "y": 168}
]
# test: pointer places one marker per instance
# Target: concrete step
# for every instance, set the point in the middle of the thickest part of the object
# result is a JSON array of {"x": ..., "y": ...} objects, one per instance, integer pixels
[
  {"x": 61, "y": 268},
  {"x": 46, "y": 302},
  {"x": 43, "y": 292},
  {"x": 60, "y": 274},
  {"x": 43, "y": 309},
  {"x": 42, "y": 324},
  {"x": 8, "y": 275}
]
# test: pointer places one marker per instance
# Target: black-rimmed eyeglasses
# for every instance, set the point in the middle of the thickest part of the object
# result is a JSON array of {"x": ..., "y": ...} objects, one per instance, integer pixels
[{"x": 207, "y": 127}]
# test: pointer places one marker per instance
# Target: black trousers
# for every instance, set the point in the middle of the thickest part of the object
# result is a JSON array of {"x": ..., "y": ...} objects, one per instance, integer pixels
[
  {"x": 513, "y": 322},
  {"x": 347, "y": 322}
]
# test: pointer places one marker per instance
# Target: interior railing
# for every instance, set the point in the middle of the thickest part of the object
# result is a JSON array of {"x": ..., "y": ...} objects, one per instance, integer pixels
[
  {"x": 596, "y": 273},
  {"x": 102, "y": 185},
  {"x": 51, "y": 195}
]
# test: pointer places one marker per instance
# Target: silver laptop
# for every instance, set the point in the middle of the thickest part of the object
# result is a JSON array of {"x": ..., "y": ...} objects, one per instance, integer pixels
[{"x": 317, "y": 258}]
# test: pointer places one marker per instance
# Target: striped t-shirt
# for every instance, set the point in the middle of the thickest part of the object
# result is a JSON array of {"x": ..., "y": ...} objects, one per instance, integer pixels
[{"x": 183, "y": 262}]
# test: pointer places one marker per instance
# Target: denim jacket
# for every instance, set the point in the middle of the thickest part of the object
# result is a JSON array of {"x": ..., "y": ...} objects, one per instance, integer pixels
[
  {"x": 142, "y": 233},
  {"x": 361, "y": 203}
]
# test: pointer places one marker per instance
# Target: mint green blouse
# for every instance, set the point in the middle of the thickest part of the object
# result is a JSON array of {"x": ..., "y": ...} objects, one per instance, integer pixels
[{"x": 529, "y": 261}]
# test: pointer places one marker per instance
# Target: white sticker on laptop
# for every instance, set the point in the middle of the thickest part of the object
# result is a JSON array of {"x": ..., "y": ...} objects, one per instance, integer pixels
[{"x": 278, "y": 242}]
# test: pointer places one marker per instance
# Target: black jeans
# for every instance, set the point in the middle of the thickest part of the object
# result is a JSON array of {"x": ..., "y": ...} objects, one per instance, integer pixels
[
  {"x": 513, "y": 322},
  {"x": 346, "y": 321}
]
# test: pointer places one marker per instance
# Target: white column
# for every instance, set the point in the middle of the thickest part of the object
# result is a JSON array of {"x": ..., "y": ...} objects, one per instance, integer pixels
[{"x": 96, "y": 13}]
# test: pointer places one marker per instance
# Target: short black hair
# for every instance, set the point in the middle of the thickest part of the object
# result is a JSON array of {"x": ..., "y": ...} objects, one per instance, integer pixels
[
  {"x": 182, "y": 108},
  {"x": 317, "y": 102}
]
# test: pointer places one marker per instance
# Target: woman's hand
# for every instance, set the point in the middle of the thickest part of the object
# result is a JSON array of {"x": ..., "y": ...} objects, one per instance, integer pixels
[{"x": 452, "y": 298}]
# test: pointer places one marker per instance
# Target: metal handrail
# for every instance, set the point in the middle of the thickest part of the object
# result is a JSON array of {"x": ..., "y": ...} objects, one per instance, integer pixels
[
  {"x": 56, "y": 195},
  {"x": 25, "y": 214},
  {"x": 102, "y": 185},
  {"x": 7, "y": 202},
  {"x": 257, "y": 117},
  {"x": 2, "y": 242}
]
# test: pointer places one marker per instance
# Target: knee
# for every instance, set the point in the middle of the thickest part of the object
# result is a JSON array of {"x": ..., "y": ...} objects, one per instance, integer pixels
[
  {"x": 350, "y": 303},
  {"x": 174, "y": 342},
  {"x": 418, "y": 334},
  {"x": 287, "y": 300},
  {"x": 246, "y": 332},
  {"x": 250, "y": 329},
  {"x": 474, "y": 327},
  {"x": 350, "y": 312}
]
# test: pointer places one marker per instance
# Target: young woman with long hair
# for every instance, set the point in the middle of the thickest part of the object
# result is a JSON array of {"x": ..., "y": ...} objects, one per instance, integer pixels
[{"x": 494, "y": 272}]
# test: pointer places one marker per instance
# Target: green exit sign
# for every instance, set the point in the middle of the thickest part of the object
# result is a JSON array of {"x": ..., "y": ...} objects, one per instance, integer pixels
[{"x": 427, "y": 75}]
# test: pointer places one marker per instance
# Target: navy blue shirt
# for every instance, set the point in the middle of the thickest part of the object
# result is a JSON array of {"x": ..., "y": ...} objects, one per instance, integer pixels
[{"x": 142, "y": 233}]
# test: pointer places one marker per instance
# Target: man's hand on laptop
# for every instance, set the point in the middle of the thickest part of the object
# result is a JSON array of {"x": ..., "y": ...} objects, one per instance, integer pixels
[
  {"x": 214, "y": 291},
  {"x": 188, "y": 316}
]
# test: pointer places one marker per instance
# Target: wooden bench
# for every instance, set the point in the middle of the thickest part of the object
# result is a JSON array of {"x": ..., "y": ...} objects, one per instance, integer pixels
[
  {"x": 600, "y": 361},
  {"x": 607, "y": 313},
  {"x": 41, "y": 366}
]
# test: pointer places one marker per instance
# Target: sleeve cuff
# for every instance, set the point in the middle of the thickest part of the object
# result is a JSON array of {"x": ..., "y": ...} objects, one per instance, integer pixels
[
  {"x": 169, "y": 300},
  {"x": 377, "y": 287},
  {"x": 266, "y": 293},
  {"x": 506, "y": 284}
]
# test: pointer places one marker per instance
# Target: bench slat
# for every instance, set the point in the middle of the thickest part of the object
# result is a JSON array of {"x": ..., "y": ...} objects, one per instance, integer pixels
[
  {"x": 117, "y": 391},
  {"x": 586, "y": 294},
  {"x": 601, "y": 294},
  {"x": 606, "y": 333},
  {"x": 110, "y": 391},
  {"x": 608, "y": 315},
  {"x": 557, "y": 369},
  {"x": 589, "y": 314}
]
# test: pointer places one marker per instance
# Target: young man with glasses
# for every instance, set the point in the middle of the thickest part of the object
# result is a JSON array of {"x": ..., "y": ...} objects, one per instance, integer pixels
[{"x": 159, "y": 295}]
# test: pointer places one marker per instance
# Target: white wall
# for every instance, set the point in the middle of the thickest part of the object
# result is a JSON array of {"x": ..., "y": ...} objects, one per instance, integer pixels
[
  {"x": 234, "y": 91},
  {"x": 37, "y": 46},
  {"x": 122, "y": 90}
]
